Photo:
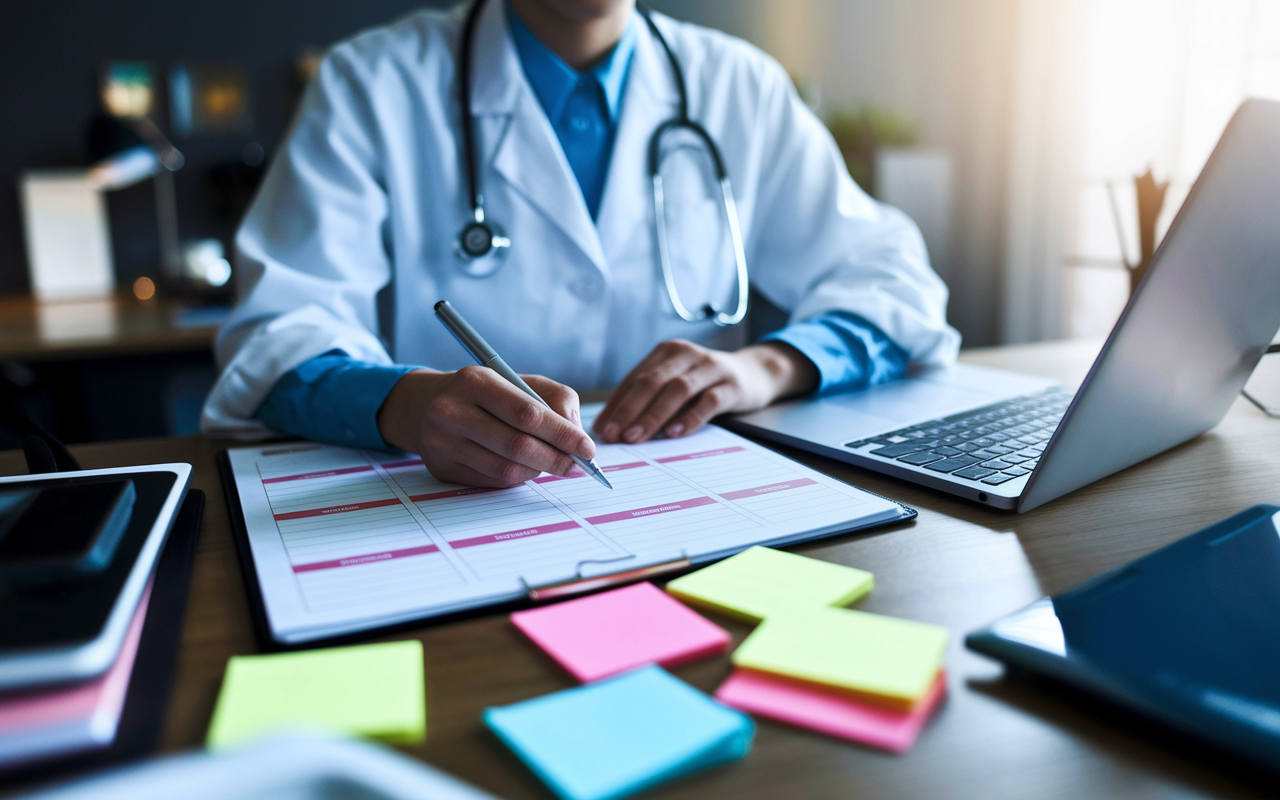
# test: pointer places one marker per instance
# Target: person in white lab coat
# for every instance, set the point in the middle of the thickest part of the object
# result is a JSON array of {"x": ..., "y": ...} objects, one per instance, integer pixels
[{"x": 355, "y": 235}]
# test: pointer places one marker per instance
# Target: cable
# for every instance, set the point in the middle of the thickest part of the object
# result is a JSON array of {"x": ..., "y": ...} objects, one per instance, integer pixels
[{"x": 1275, "y": 348}]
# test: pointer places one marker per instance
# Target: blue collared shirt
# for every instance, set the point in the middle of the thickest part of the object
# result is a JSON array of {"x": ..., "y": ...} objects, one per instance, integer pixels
[
  {"x": 583, "y": 107},
  {"x": 334, "y": 398}
]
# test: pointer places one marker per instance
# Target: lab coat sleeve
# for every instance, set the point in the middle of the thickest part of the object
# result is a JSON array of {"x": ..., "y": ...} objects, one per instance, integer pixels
[
  {"x": 820, "y": 244},
  {"x": 312, "y": 253}
]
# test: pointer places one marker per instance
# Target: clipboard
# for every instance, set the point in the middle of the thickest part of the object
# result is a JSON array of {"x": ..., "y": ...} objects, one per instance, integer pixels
[
  {"x": 534, "y": 593},
  {"x": 590, "y": 575}
]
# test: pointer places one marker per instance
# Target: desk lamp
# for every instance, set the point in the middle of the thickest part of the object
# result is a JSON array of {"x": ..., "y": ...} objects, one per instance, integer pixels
[{"x": 128, "y": 97}]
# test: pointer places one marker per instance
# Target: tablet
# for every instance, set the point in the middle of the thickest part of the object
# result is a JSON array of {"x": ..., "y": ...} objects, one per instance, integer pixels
[
  {"x": 71, "y": 631},
  {"x": 1189, "y": 635}
]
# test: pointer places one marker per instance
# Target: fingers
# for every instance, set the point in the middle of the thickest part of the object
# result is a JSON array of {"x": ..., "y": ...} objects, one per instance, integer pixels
[
  {"x": 537, "y": 431},
  {"x": 470, "y": 464},
  {"x": 563, "y": 400},
  {"x": 677, "y": 393},
  {"x": 620, "y": 419},
  {"x": 518, "y": 447},
  {"x": 605, "y": 424},
  {"x": 712, "y": 402},
  {"x": 493, "y": 469},
  {"x": 458, "y": 430},
  {"x": 476, "y": 428}
]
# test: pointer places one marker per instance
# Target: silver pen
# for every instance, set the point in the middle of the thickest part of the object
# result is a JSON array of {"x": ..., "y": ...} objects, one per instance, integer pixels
[{"x": 488, "y": 357}]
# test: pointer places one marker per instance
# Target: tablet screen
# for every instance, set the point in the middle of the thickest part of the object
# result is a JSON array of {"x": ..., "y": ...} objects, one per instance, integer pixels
[
  {"x": 1201, "y": 618},
  {"x": 73, "y": 612},
  {"x": 1190, "y": 633}
]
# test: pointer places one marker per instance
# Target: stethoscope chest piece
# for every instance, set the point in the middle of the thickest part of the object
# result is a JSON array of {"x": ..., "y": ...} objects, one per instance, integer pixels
[{"x": 481, "y": 247}]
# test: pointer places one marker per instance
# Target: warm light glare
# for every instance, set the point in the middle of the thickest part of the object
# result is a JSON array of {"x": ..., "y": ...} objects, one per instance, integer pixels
[
  {"x": 1159, "y": 80},
  {"x": 127, "y": 99},
  {"x": 144, "y": 288},
  {"x": 127, "y": 89}
]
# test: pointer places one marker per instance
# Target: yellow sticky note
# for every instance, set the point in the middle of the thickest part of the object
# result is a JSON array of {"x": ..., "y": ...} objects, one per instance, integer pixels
[
  {"x": 374, "y": 690},
  {"x": 895, "y": 660},
  {"x": 760, "y": 581}
]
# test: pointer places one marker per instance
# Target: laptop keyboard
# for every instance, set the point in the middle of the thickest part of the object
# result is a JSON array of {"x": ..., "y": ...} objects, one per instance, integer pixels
[{"x": 992, "y": 444}]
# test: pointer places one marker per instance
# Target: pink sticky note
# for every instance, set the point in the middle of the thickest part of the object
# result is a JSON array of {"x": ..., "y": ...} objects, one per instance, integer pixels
[
  {"x": 605, "y": 634},
  {"x": 830, "y": 712}
]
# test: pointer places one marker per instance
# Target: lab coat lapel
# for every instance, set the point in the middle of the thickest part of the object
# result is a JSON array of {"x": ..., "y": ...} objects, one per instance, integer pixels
[
  {"x": 527, "y": 153},
  {"x": 650, "y": 98}
]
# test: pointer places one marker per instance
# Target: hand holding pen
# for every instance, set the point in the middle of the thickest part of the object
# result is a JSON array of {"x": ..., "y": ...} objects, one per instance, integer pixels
[{"x": 477, "y": 428}]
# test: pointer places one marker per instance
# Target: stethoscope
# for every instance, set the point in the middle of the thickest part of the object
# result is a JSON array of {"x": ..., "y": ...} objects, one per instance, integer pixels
[{"x": 482, "y": 245}]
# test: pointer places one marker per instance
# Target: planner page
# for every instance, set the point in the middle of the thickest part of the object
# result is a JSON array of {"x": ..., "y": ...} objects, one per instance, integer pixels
[{"x": 345, "y": 540}]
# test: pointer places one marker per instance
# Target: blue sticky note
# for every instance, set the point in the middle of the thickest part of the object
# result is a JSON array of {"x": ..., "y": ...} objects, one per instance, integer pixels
[{"x": 620, "y": 736}]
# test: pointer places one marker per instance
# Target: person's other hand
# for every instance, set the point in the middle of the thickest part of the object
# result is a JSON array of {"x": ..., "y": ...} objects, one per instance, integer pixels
[
  {"x": 474, "y": 428},
  {"x": 679, "y": 386}
]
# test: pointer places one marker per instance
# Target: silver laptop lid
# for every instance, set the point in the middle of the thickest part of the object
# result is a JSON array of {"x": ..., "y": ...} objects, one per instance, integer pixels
[{"x": 1196, "y": 326}]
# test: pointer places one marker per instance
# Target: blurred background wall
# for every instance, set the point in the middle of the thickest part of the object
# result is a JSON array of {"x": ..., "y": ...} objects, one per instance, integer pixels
[
  {"x": 943, "y": 65},
  {"x": 51, "y": 55},
  {"x": 1012, "y": 129}
]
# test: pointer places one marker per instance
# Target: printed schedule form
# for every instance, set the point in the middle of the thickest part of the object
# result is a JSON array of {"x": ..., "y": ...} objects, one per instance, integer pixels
[{"x": 346, "y": 540}]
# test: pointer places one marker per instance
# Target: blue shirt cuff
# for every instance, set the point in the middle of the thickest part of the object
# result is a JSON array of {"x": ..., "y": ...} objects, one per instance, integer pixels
[
  {"x": 849, "y": 352},
  {"x": 332, "y": 398}
]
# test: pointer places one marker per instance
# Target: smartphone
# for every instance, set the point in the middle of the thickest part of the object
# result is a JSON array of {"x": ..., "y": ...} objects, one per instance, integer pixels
[{"x": 60, "y": 533}]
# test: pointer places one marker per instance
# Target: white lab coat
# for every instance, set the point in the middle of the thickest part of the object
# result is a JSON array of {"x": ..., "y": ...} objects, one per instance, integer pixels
[{"x": 351, "y": 239}]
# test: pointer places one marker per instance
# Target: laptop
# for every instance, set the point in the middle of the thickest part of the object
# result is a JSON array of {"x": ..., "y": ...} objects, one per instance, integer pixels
[{"x": 1193, "y": 331}]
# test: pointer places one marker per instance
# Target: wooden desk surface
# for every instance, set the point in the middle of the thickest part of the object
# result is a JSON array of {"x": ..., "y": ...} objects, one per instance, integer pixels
[
  {"x": 119, "y": 325},
  {"x": 959, "y": 565}
]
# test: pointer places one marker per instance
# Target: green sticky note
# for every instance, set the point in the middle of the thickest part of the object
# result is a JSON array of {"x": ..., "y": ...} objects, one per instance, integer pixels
[
  {"x": 374, "y": 690},
  {"x": 885, "y": 658},
  {"x": 760, "y": 581}
]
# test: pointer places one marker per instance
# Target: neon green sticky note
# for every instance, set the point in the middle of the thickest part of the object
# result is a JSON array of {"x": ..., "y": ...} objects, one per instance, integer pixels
[
  {"x": 893, "y": 659},
  {"x": 759, "y": 581},
  {"x": 374, "y": 690}
]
